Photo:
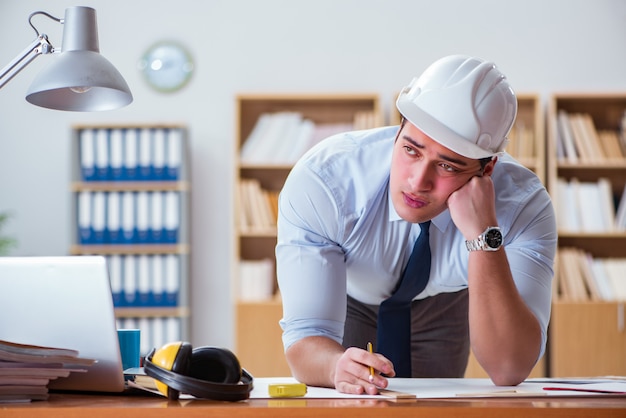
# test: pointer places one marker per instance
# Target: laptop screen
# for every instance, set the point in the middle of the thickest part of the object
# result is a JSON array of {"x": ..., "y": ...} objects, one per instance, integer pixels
[{"x": 63, "y": 302}]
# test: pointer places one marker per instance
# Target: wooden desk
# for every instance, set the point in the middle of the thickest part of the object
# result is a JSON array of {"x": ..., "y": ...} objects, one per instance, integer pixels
[{"x": 104, "y": 406}]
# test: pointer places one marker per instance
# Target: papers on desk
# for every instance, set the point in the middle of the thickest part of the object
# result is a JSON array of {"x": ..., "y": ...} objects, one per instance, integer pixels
[
  {"x": 26, "y": 370},
  {"x": 403, "y": 389},
  {"x": 464, "y": 388}
]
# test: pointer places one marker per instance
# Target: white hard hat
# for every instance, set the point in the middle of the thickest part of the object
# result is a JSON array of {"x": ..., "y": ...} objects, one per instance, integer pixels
[{"x": 463, "y": 103}]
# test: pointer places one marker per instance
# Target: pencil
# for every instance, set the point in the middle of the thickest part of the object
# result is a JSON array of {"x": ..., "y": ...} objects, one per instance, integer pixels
[{"x": 371, "y": 350}]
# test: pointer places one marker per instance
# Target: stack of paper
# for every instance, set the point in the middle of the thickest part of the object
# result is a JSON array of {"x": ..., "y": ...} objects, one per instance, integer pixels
[{"x": 26, "y": 370}]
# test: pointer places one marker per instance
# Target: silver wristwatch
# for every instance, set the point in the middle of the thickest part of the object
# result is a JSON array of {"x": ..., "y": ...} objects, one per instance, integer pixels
[{"x": 489, "y": 240}]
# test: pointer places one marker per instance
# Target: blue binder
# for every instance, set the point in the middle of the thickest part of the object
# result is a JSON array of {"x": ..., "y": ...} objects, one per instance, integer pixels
[
  {"x": 172, "y": 217},
  {"x": 102, "y": 155},
  {"x": 128, "y": 218},
  {"x": 98, "y": 220},
  {"x": 84, "y": 215},
  {"x": 116, "y": 154},
  {"x": 158, "y": 154},
  {"x": 87, "y": 155},
  {"x": 174, "y": 154},
  {"x": 129, "y": 282},
  {"x": 114, "y": 263},
  {"x": 130, "y": 166},
  {"x": 114, "y": 218},
  {"x": 142, "y": 217},
  {"x": 146, "y": 167}
]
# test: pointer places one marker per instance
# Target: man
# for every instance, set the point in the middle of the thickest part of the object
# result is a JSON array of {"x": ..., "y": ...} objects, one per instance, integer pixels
[{"x": 350, "y": 213}]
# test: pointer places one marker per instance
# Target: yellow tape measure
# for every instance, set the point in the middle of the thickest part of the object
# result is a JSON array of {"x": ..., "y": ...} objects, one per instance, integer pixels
[{"x": 287, "y": 390}]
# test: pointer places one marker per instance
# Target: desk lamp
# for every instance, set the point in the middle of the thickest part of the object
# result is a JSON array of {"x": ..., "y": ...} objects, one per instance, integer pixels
[{"x": 80, "y": 79}]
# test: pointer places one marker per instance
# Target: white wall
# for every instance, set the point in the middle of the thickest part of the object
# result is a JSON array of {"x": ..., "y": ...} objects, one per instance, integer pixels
[{"x": 375, "y": 46}]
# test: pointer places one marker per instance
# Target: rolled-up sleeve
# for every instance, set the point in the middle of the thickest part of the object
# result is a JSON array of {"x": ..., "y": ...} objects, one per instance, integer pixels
[{"x": 310, "y": 264}]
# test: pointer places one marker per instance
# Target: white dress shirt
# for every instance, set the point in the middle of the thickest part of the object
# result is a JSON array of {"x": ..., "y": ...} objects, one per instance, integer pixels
[{"x": 338, "y": 234}]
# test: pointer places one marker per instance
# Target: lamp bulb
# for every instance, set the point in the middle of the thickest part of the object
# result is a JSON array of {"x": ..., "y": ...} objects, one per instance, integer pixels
[{"x": 80, "y": 89}]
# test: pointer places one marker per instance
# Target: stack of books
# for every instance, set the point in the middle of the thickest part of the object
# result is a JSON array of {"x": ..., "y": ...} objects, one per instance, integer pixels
[
  {"x": 26, "y": 370},
  {"x": 256, "y": 280},
  {"x": 258, "y": 209},
  {"x": 281, "y": 138},
  {"x": 589, "y": 206},
  {"x": 521, "y": 144},
  {"x": 579, "y": 141},
  {"x": 583, "y": 278}
]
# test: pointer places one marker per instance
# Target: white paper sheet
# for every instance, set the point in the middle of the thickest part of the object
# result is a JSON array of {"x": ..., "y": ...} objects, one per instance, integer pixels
[{"x": 460, "y": 388}]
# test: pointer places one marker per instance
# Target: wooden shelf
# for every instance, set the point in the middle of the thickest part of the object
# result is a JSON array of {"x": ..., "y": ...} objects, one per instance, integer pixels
[
  {"x": 145, "y": 256},
  {"x": 259, "y": 342},
  {"x": 586, "y": 338},
  {"x": 135, "y": 186},
  {"x": 320, "y": 108},
  {"x": 80, "y": 126},
  {"x": 258, "y": 335},
  {"x": 129, "y": 249},
  {"x": 176, "y": 312},
  {"x": 258, "y": 233},
  {"x": 530, "y": 115}
]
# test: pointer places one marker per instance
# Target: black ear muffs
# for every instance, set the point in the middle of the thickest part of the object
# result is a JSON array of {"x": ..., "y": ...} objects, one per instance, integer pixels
[{"x": 204, "y": 372}]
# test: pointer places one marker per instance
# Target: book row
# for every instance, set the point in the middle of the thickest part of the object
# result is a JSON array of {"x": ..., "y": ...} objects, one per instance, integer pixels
[
  {"x": 145, "y": 280},
  {"x": 256, "y": 280},
  {"x": 583, "y": 278},
  {"x": 130, "y": 154},
  {"x": 522, "y": 141},
  {"x": 589, "y": 206},
  {"x": 283, "y": 137},
  {"x": 258, "y": 209},
  {"x": 128, "y": 217},
  {"x": 154, "y": 332},
  {"x": 578, "y": 140}
]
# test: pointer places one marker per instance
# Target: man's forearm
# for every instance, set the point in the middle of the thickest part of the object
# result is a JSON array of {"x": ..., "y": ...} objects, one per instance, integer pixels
[{"x": 505, "y": 335}]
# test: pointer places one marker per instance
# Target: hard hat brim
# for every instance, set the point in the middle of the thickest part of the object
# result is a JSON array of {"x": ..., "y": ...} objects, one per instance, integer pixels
[{"x": 441, "y": 133}]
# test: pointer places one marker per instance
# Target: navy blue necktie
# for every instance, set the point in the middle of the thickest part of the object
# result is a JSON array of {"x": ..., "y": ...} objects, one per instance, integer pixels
[{"x": 394, "y": 315}]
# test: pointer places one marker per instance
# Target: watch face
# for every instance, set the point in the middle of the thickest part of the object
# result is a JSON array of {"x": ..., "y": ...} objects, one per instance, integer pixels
[
  {"x": 166, "y": 66},
  {"x": 493, "y": 238}
]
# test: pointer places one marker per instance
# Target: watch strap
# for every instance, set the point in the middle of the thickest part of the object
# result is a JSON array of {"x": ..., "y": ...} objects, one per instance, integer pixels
[{"x": 480, "y": 243}]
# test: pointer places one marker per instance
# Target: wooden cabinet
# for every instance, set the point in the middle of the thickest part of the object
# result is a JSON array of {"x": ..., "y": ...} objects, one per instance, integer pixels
[
  {"x": 278, "y": 124},
  {"x": 527, "y": 138},
  {"x": 587, "y": 339},
  {"x": 587, "y": 334},
  {"x": 130, "y": 204}
]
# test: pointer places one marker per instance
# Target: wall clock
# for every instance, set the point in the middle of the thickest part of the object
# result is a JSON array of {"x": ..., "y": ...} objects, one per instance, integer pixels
[{"x": 167, "y": 66}]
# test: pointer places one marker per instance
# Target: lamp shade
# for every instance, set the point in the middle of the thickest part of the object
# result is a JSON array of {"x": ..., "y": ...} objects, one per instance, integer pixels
[{"x": 80, "y": 79}]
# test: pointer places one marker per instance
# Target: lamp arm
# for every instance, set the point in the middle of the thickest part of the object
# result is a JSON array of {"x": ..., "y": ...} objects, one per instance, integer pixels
[{"x": 39, "y": 46}]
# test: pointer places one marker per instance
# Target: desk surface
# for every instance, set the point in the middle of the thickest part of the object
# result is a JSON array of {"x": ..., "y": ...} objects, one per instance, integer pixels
[{"x": 120, "y": 406}]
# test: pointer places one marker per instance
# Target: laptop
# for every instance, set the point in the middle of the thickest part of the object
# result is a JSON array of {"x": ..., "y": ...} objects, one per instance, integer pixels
[{"x": 63, "y": 302}]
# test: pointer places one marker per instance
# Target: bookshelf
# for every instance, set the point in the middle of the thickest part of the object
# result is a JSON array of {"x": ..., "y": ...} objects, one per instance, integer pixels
[
  {"x": 297, "y": 121},
  {"x": 587, "y": 175},
  {"x": 130, "y": 203}
]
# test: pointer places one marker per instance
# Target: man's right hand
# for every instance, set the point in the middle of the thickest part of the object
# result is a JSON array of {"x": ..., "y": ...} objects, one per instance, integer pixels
[
  {"x": 352, "y": 372},
  {"x": 320, "y": 361}
]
